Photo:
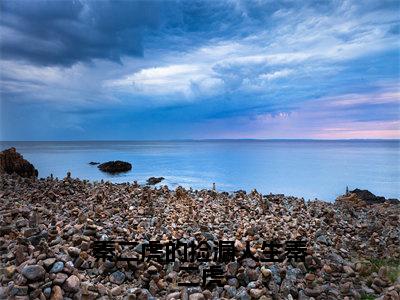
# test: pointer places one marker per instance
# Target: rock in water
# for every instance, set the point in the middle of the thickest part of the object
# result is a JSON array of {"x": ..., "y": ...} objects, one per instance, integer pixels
[
  {"x": 116, "y": 166},
  {"x": 94, "y": 163},
  {"x": 154, "y": 180},
  {"x": 13, "y": 162}
]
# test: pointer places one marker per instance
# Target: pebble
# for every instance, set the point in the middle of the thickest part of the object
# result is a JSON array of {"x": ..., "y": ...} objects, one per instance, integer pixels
[
  {"x": 256, "y": 293},
  {"x": 266, "y": 272},
  {"x": 74, "y": 251},
  {"x": 60, "y": 278},
  {"x": 49, "y": 262},
  {"x": 53, "y": 260},
  {"x": 10, "y": 270},
  {"x": 310, "y": 277},
  {"x": 152, "y": 270},
  {"x": 117, "y": 277},
  {"x": 72, "y": 284},
  {"x": 56, "y": 293},
  {"x": 116, "y": 291},
  {"x": 34, "y": 272},
  {"x": 315, "y": 292},
  {"x": 57, "y": 267},
  {"x": 196, "y": 296}
]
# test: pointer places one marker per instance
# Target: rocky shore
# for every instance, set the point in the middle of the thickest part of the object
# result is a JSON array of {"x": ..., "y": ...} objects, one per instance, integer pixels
[{"x": 48, "y": 228}]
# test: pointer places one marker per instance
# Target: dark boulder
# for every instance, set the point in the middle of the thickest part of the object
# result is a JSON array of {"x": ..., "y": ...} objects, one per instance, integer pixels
[
  {"x": 363, "y": 198},
  {"x": 13, "y": 162},
  {"x": 116, "y": 166},
  {"x": 94, "y": 163},
  {"x": 154, "y": 180},
  {"x": 368, "y": 197}
]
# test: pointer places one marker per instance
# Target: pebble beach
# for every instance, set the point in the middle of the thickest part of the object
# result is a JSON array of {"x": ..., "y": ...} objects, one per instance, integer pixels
[{"x": 48, "y": 227}]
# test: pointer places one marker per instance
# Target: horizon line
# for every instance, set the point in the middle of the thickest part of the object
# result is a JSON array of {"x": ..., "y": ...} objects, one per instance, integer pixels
[{"x": 205, "y": 140}]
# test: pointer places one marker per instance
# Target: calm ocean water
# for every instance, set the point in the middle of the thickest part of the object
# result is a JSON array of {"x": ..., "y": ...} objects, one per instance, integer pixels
[{"x": 309, "y": 169}]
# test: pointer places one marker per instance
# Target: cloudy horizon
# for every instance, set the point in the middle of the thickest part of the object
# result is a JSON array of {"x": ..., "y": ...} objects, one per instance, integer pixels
[{"x": 154, "y": 70}]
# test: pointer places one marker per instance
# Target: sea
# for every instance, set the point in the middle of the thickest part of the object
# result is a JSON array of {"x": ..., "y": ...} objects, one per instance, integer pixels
[{"x": 307, "y": 169}]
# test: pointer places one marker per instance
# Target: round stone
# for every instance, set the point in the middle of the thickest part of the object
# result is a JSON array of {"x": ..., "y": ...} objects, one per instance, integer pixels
[
  {"x": 57, "y": 267},
  {"x": 57, "y": 293},
  {"x": 72, "y": 284},
  {"x": 34, "y": 272},
  {"x": 310, "y": 277}
]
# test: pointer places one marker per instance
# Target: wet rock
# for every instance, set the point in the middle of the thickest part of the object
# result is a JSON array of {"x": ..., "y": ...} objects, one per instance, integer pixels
[
  {"x": 116, "y": 166},
  {"x": 93, "y": 163},
  {"x": 34, "y": 272},
  {"x": 367, "y": 196},
  {"x": 154, "y": 180},
  {"x": 13, "y": 162}
]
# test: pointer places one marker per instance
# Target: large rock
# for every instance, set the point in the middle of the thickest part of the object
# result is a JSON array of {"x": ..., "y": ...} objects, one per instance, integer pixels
[
  {"x": 13, "y": 162},
  {"x": 367, "y": 196},
  {"x": 116, "y": 166},
  {"x": 34, "y": 272},
  {"x": 154, "y": 180},
  {"x": 363, "y": 197}
]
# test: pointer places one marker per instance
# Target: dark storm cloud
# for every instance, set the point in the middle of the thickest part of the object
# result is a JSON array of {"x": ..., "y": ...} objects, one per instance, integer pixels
[{"x": 66, "y": 32}]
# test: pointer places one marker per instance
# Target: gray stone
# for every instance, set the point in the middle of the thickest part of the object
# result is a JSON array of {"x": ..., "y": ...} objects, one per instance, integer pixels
[
  {"x": 74, "y": 251},
  {"x": 275, "y": 274},
  {"x": 117, "y": 277},
  {"x": 57, "y": 267},
  {"x": 18, "y": 290},
  {"x": 242, "y": 294},
  {"x": 49, "y": 262},
  {"x": 60, "y": 278},
  {"x": 47, "y": 292},
  {"x": 34, "y": 272},
  {"x": 230, "y": 291}
]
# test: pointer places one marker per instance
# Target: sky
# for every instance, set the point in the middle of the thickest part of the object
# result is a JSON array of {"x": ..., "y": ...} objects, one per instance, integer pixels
[{"x": 155, "y": 70}]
